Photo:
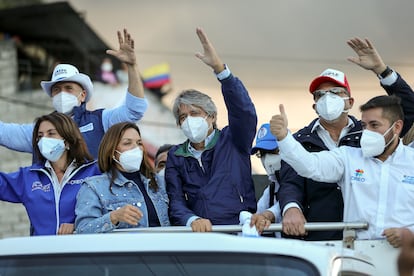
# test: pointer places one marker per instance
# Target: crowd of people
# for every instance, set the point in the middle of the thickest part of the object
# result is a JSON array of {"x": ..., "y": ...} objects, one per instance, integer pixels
[{"x": 91, "y": 172}]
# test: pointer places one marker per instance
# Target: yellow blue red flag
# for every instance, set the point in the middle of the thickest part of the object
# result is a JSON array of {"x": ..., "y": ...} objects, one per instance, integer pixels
[{"x": 156, "y": 76}]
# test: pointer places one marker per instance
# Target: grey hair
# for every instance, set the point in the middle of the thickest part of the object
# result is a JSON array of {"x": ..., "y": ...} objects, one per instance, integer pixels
[{"x": 194, "y": 98}]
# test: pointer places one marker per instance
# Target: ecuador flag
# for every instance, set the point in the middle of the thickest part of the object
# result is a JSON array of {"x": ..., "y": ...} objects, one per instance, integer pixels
[{"x": 156, "y": 76}]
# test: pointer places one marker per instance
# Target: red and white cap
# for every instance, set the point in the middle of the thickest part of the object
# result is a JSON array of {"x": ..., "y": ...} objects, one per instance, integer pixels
[{"x": 330, "y": 75}]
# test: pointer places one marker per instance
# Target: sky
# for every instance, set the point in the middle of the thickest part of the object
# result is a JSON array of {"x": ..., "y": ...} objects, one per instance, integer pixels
[{"x": 275, "y": 47}]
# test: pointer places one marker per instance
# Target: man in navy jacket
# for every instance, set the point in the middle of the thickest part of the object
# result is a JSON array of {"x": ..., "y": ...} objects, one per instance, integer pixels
[{"x": 208, "y": 177}]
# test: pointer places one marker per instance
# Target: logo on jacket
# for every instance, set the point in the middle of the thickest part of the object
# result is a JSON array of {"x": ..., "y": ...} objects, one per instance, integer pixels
[
  {"x": 39, "y": 186},
  {"x": 86, "y": 128},
  {"x": 408, "y": 179},
  {"x": 358, "y": 176}
]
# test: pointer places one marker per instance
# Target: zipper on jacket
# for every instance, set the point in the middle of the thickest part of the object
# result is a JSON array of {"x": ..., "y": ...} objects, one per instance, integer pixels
[{"x": 201, "y": 164}]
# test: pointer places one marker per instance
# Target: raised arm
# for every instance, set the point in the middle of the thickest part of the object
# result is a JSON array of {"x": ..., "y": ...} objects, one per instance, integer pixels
[
  {"x": 126, "y": 54},
  {"x": 135, "y": 103},
  {"x": 240, "y": 108},
  {"x": 367, "y": 56},
  {"x": 16, "y": 136},
  {"x": 327, "y": 166},
  {"x": 209, "y": 56},
  {"x": 369, "y": 59}
]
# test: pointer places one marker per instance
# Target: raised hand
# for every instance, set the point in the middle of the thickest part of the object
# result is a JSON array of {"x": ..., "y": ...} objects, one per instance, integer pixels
[
  {"x": 368, "y": 57},
  {"x": 279, "y": 124},
  {"x": 209, "y": 56},
  {"x": 126, "y": 52}
]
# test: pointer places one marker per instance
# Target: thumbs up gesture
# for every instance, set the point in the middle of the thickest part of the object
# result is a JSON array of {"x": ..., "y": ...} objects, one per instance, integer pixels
[{"x": 279, "y": 123}]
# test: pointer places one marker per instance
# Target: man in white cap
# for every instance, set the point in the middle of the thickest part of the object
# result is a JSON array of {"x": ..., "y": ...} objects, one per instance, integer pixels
[
  {"x": 71, "y": 90},
  {"x": 305, "y": 200}
]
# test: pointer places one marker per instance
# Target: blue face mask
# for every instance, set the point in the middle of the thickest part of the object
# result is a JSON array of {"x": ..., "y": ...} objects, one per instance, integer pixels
[{"x": 51, "y": 148}]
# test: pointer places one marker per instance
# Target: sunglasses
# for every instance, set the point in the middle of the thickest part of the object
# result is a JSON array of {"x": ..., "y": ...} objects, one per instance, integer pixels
[{"x": 334, "y": 90}]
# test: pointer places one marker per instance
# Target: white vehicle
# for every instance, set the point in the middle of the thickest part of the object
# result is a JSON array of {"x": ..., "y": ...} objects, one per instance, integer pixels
[{"x": 167, "y": 253}]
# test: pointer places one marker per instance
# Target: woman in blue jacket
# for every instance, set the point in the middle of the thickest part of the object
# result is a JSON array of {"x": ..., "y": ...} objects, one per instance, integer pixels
[
  {"x": 127, "y": 194},
  {"x": 48, "y": 188}
]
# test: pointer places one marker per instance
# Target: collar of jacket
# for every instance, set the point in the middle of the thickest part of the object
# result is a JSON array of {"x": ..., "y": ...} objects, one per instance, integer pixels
[
  {"x": 121, "y": 180},
  {"x": 183, "y": 148},
  {"x": 305, "y": 136}
]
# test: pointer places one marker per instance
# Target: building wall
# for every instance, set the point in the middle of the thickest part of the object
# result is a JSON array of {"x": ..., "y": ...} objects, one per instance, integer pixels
[{"x": 16, "y": 107}]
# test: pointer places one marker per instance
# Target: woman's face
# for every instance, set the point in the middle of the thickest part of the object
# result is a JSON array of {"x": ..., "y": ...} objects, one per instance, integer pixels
[
  {"x": 130, "y": 140},
  {"x": 47, "y": 129}
]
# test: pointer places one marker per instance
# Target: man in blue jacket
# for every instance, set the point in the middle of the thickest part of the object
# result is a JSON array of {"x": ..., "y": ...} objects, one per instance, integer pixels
[
  {"x": 208, "y": 177},
  {"x": 305, "y": 200},
  {"x": 71, "y": 90}
]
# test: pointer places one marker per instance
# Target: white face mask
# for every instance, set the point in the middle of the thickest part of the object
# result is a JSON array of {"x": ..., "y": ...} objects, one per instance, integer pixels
[
  {"x": 64, "y": 102},
  {"x": 271, "y": 163},
  {"x": 330, "y": 106},
  {"x": 373, "y": 143},
  {"x": 106, "y": 67},
  {"x": 161, "y": 173},
  {"x": 195, "y": 128},
  {"x": 130, "y": 160},
  {"x": 51, "y": 148}
]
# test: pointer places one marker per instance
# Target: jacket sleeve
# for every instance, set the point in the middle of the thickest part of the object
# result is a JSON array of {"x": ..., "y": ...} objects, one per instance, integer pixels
[
  {"x": 16, "y": 136},
  {"x": 292, "y": 187},
  {"x": 88, "y": 211},
  {"x": 131, "y": 110},
  {"x": 241, "y": 113},
  {"x": 12, "y": 186},
  {"x": 178, "y": 211},
  {"x": 401, "y": 89}
]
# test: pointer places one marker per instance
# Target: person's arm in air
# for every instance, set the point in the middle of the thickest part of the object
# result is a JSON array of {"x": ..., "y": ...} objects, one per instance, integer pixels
[{"x": 135, "y": 103}]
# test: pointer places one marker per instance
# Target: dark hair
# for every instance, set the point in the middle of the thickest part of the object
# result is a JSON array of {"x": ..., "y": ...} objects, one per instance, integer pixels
[
  {"x": 163, "y": 148},
  {"x": 66, "y": 127},
  {"x": 391, "y": 107},
  {"x": 107, "y": 151}
]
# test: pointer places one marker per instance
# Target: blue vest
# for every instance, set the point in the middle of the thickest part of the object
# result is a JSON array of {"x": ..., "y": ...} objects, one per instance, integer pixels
[{"x": 91, "y": 127}]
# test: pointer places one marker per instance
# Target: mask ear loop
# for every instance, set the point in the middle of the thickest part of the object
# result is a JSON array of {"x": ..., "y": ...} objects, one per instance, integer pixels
[{"x": 393, "y": 137}]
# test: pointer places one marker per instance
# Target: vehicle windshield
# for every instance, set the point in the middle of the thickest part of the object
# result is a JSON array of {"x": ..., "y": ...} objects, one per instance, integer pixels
[{"x": 170, "y": 263}]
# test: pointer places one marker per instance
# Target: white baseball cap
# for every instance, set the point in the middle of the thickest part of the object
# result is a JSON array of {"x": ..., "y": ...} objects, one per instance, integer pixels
[{"x": 68, "y": 73}]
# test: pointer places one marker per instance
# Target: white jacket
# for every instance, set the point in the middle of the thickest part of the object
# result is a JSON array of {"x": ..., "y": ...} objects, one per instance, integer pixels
[{"x": 380, "y": 193}]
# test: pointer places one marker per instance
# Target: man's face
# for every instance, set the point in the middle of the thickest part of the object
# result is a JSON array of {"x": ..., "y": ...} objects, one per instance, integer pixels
[
  {"x": 331, "y": 88},
  {"x": 160, "y": 161},
  {"x": 193, "y": 111},
  {"x": 340, "y": 91},
  {"x": 69, "y": 87},
  {"x": 373, "y": 120}
]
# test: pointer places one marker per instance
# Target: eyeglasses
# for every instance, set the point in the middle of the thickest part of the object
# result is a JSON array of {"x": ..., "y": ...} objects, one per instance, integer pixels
[
  {"x": 261, "y": 153},
  {"x": 334, "y": 90}
]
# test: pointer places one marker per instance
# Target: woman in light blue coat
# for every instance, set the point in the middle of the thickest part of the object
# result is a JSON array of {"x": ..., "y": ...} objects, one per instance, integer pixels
[{"x": 128, "y": 194}]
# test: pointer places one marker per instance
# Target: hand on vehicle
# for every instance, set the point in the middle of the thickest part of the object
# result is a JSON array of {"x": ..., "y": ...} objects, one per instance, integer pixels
[
  {"x": 66, "y": 229},
  {"x": 261, "y": 221},
  {"x": 293, "y": 222},
  {"x": 201, "y": 225}
]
